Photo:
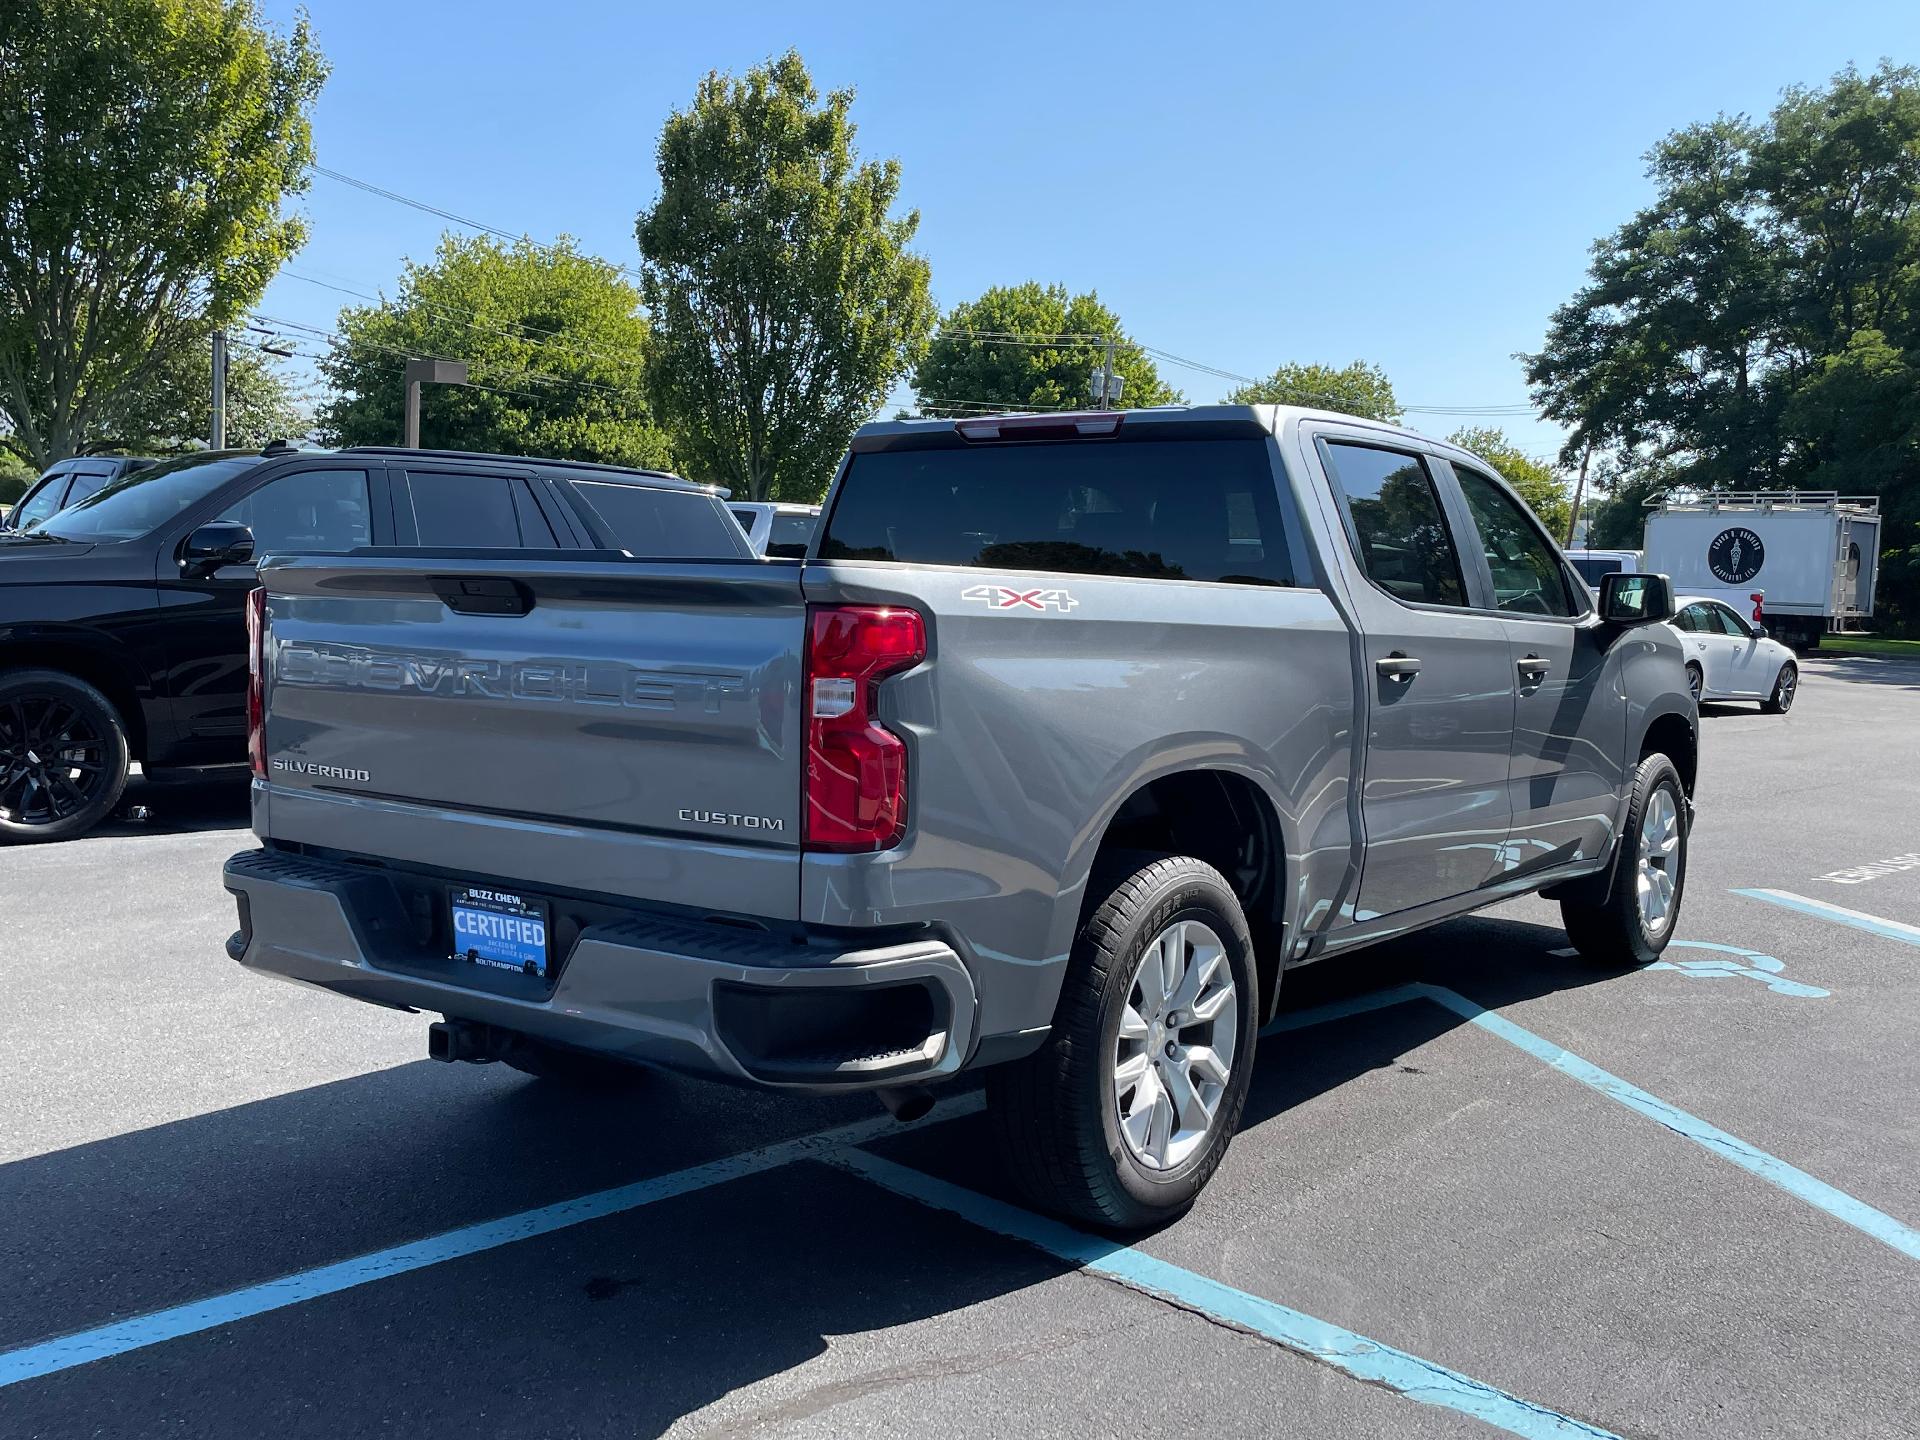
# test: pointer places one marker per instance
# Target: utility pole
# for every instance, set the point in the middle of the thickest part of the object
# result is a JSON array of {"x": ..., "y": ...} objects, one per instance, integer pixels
[
  {"x": 1579, "y": 492},
  {"x": 1105, "y": 385},
  {"x": 217, "y": 439}
]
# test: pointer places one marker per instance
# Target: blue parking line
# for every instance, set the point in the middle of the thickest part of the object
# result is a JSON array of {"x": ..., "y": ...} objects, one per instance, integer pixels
[
  {"x": 122, "y": 1336},
  {"x": 1356, "y": 1355},
  {"x": 1755, "y": 1161},
  {"x": 1859, "y": 920}
]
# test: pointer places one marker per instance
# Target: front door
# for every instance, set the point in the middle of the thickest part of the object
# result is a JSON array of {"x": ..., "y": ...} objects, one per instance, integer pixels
[
  {"x": 318, "y": 509},
  {"x": 1564, "y": 778},
  {"x": 1439, "y": 689}
]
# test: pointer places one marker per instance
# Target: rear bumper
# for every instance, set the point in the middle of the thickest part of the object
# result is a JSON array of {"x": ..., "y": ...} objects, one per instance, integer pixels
[{"x": 692, "y": 995}]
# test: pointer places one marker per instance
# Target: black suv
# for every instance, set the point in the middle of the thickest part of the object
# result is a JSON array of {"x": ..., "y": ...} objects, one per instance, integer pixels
[
  {"x": 68, "y": 482},
  {"x": 122, "y": 633}
]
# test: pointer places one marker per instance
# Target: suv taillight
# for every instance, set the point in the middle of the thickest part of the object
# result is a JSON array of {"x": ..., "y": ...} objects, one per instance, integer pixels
[
  {"x": 856, "y": 767},
  {"x": 256, "y": 681}
]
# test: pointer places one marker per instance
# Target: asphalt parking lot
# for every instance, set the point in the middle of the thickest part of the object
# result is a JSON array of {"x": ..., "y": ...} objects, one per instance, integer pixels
[{"x": 1478, "y": 1187}]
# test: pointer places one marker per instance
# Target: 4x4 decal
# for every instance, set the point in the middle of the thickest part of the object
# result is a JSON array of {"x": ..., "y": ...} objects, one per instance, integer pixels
[{"x": 1005, "y": 597}]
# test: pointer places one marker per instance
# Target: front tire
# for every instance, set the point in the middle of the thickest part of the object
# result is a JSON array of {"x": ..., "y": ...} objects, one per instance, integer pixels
[
  {"x": 1121, "y": 1118},
  {"x": 63, "y": 756},
  {"x": 1633, "y": 924},
  {"x": 1785, "y": 686}
]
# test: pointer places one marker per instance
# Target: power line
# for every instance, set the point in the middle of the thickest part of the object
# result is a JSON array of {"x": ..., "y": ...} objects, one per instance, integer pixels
[{"x": 462, "y": 220}]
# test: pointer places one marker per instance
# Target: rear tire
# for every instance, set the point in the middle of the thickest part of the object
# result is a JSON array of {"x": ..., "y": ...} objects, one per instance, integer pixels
[
  {"x": 63, "y": 756},
  {"x": 1104, "y": 1122},
  {"x": 1785, "y": 686},
  {"x": 1619, "y": 932},
  {"x": 1695, "y": 684}
]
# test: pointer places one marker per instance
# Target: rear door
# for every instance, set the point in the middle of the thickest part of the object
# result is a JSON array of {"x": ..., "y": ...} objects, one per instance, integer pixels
[
  {"x": 316, "y": 508},
  {"x": 1439, "y": 684},
  {"x": 1564, "y": 773}
]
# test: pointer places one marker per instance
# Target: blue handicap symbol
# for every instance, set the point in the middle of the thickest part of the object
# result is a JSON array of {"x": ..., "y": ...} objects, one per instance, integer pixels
[{"x": 1757, "y": 966}]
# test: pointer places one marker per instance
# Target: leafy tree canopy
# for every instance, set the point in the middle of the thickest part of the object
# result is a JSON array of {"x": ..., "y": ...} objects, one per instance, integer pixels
[
  {"x": 1758, "y": 324},
  {"x": 1356, "y": 389},
  {"x": 785, "y": 300},
  {"x": 146, "y": 151},
  {"x": 556, "y": 344},
  {"x": 1031, "y": 347},
  {"x": 1540, "y": 485}
]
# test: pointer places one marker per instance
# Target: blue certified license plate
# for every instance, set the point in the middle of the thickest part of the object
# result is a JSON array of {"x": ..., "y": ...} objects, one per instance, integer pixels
[{"x": 492, "y": 927}]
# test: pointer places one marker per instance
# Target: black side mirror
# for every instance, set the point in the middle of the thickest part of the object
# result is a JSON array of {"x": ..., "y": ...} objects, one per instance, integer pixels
[
  {"x": 1759, "y": 632},
  {"x": 1633, "y": 599},
  {"x": 217, "y": 543}
]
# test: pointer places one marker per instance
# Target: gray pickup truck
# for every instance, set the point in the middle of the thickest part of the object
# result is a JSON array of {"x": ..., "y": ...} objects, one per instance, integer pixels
[{"x": 1066, "y": 739}]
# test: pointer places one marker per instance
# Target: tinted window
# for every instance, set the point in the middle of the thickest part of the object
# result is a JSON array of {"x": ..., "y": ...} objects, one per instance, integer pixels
[
  {"x": 465, "y": 511},
  {"x": 1694, "y": 619},
  {"x": 791, "y": 536},
  {"x": 663, "y": 524},
  {"x": 1398, "y": 532},
  {"x": 1592, "y": 567},
  {"x": 42, "y": 500},
  {"x": 1727, "y": 622},
  {"x": 1161, "y": 509},
  {"x": 1527, "y": 578},
  {"x": 87, "y": 482},
  {"x": 143, "y": 501},
  {"x": 309, "y": 511}
]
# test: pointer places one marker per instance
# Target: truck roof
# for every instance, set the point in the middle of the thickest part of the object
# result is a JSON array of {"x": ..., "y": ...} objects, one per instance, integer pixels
[{"x": 1172, "y": 422}]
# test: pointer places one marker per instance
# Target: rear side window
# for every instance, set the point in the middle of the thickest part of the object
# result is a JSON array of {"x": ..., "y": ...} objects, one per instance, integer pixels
[
  {"x": 86, "y": 482},
  {"x": 1592, "y": 567},
  {"x": 1399, "y": 535},
  {"x": 663, "y": 524},
  {"x": 1527, "y": 578},
  {"x": 1153, "y": 509},
  {"x": 475, "y": 512}
]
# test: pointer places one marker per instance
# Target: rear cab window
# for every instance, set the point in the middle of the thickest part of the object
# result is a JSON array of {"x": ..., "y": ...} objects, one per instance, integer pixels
[{"x": 1153, "y": 509}]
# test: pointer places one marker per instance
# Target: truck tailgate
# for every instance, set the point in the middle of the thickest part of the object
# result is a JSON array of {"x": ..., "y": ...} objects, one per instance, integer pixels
[{"x": 620, "y": 727}]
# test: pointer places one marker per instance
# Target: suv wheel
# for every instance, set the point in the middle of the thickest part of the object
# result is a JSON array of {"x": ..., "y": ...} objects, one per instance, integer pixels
[
  {"x": 63, "y": 756},
  {"x": 1123, "y": 1116},
  {"x": 1635, "y": 921}
]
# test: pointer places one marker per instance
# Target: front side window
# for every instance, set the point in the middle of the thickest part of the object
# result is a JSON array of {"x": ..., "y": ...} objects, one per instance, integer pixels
[
  {"x": 1730, "y": 623},
  {"x": 1399, "y": 535},
  {"x": 1527, "y": 578},
  {"x": 307, "y": 512}
]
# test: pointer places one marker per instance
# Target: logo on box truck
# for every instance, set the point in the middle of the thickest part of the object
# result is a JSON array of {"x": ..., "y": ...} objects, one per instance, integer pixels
[{"x": 1736, "y": 555}]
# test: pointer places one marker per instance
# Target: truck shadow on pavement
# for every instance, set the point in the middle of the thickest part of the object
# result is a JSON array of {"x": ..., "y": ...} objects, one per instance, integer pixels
[{"x": 621, "y": 1325}]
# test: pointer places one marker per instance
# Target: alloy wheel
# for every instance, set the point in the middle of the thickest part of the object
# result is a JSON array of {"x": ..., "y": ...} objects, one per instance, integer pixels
[
  {"x": 1659, "y": 869},
  {"x": 53, "y": 760},
  {"x": 1174, "y": 1054}
]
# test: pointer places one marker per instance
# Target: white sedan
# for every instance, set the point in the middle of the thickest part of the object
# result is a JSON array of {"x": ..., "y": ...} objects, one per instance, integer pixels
[{"x": 1728, "y": 658}]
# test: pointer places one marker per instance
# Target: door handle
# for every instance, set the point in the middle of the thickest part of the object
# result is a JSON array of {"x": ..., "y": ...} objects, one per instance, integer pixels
[
  {"x": 1533, "y": 668},
  {"x": 1397, "y": 667}
]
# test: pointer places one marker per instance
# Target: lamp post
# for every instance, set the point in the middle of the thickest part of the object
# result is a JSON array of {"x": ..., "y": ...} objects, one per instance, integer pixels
[{"x": 427, "y": 372}]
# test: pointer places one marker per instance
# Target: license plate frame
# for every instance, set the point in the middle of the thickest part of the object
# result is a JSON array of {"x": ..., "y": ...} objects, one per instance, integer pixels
[{"x": 500, "y": 930}]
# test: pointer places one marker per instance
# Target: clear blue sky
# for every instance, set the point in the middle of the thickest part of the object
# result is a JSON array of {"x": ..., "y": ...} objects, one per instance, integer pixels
[{"x": 1247, "y": 184}]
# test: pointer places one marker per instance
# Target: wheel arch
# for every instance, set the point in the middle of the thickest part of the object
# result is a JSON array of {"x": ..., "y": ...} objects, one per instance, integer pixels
[{"x": 112, "y": 675}]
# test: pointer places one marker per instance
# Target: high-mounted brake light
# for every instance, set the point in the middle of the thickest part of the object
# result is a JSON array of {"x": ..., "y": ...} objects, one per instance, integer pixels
[
  {"x": 1040, "y": 427},
  {"x": 256, "y": 681},
  {"x": 856, "y": 768}
]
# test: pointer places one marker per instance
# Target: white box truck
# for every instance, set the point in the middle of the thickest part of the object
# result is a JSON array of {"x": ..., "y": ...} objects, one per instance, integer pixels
[{"x": 1808, "y": 558}]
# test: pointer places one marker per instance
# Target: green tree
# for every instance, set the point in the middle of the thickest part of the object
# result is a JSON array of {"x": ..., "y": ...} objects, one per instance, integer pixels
[
  {"x": 1030, "y": 347},
  {"x": 1356, "y": 389},
  {"x": 146, "y": 151},
  {"x": 1540, "y": 485},
  {"x": 1758, "y": 324},
  {"x": 556, "y": 344},
  {"x": 785, "y": 299},
  {"x": 170, "y": 412}
]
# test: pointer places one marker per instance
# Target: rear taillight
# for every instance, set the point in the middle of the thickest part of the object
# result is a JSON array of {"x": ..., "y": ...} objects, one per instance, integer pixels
[
  {"x": 856, "y": 767},
  {"x": 256, "y": 681}
]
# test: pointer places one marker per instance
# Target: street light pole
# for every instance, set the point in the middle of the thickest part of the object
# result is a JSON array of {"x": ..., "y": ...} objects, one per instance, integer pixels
[
  {"x": 426, "y": 372},
  {"x": 217, "y": 438}
]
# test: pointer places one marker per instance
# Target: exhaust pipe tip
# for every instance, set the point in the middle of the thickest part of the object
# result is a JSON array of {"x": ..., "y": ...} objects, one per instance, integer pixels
[{"x": 907, "y": 1103}]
